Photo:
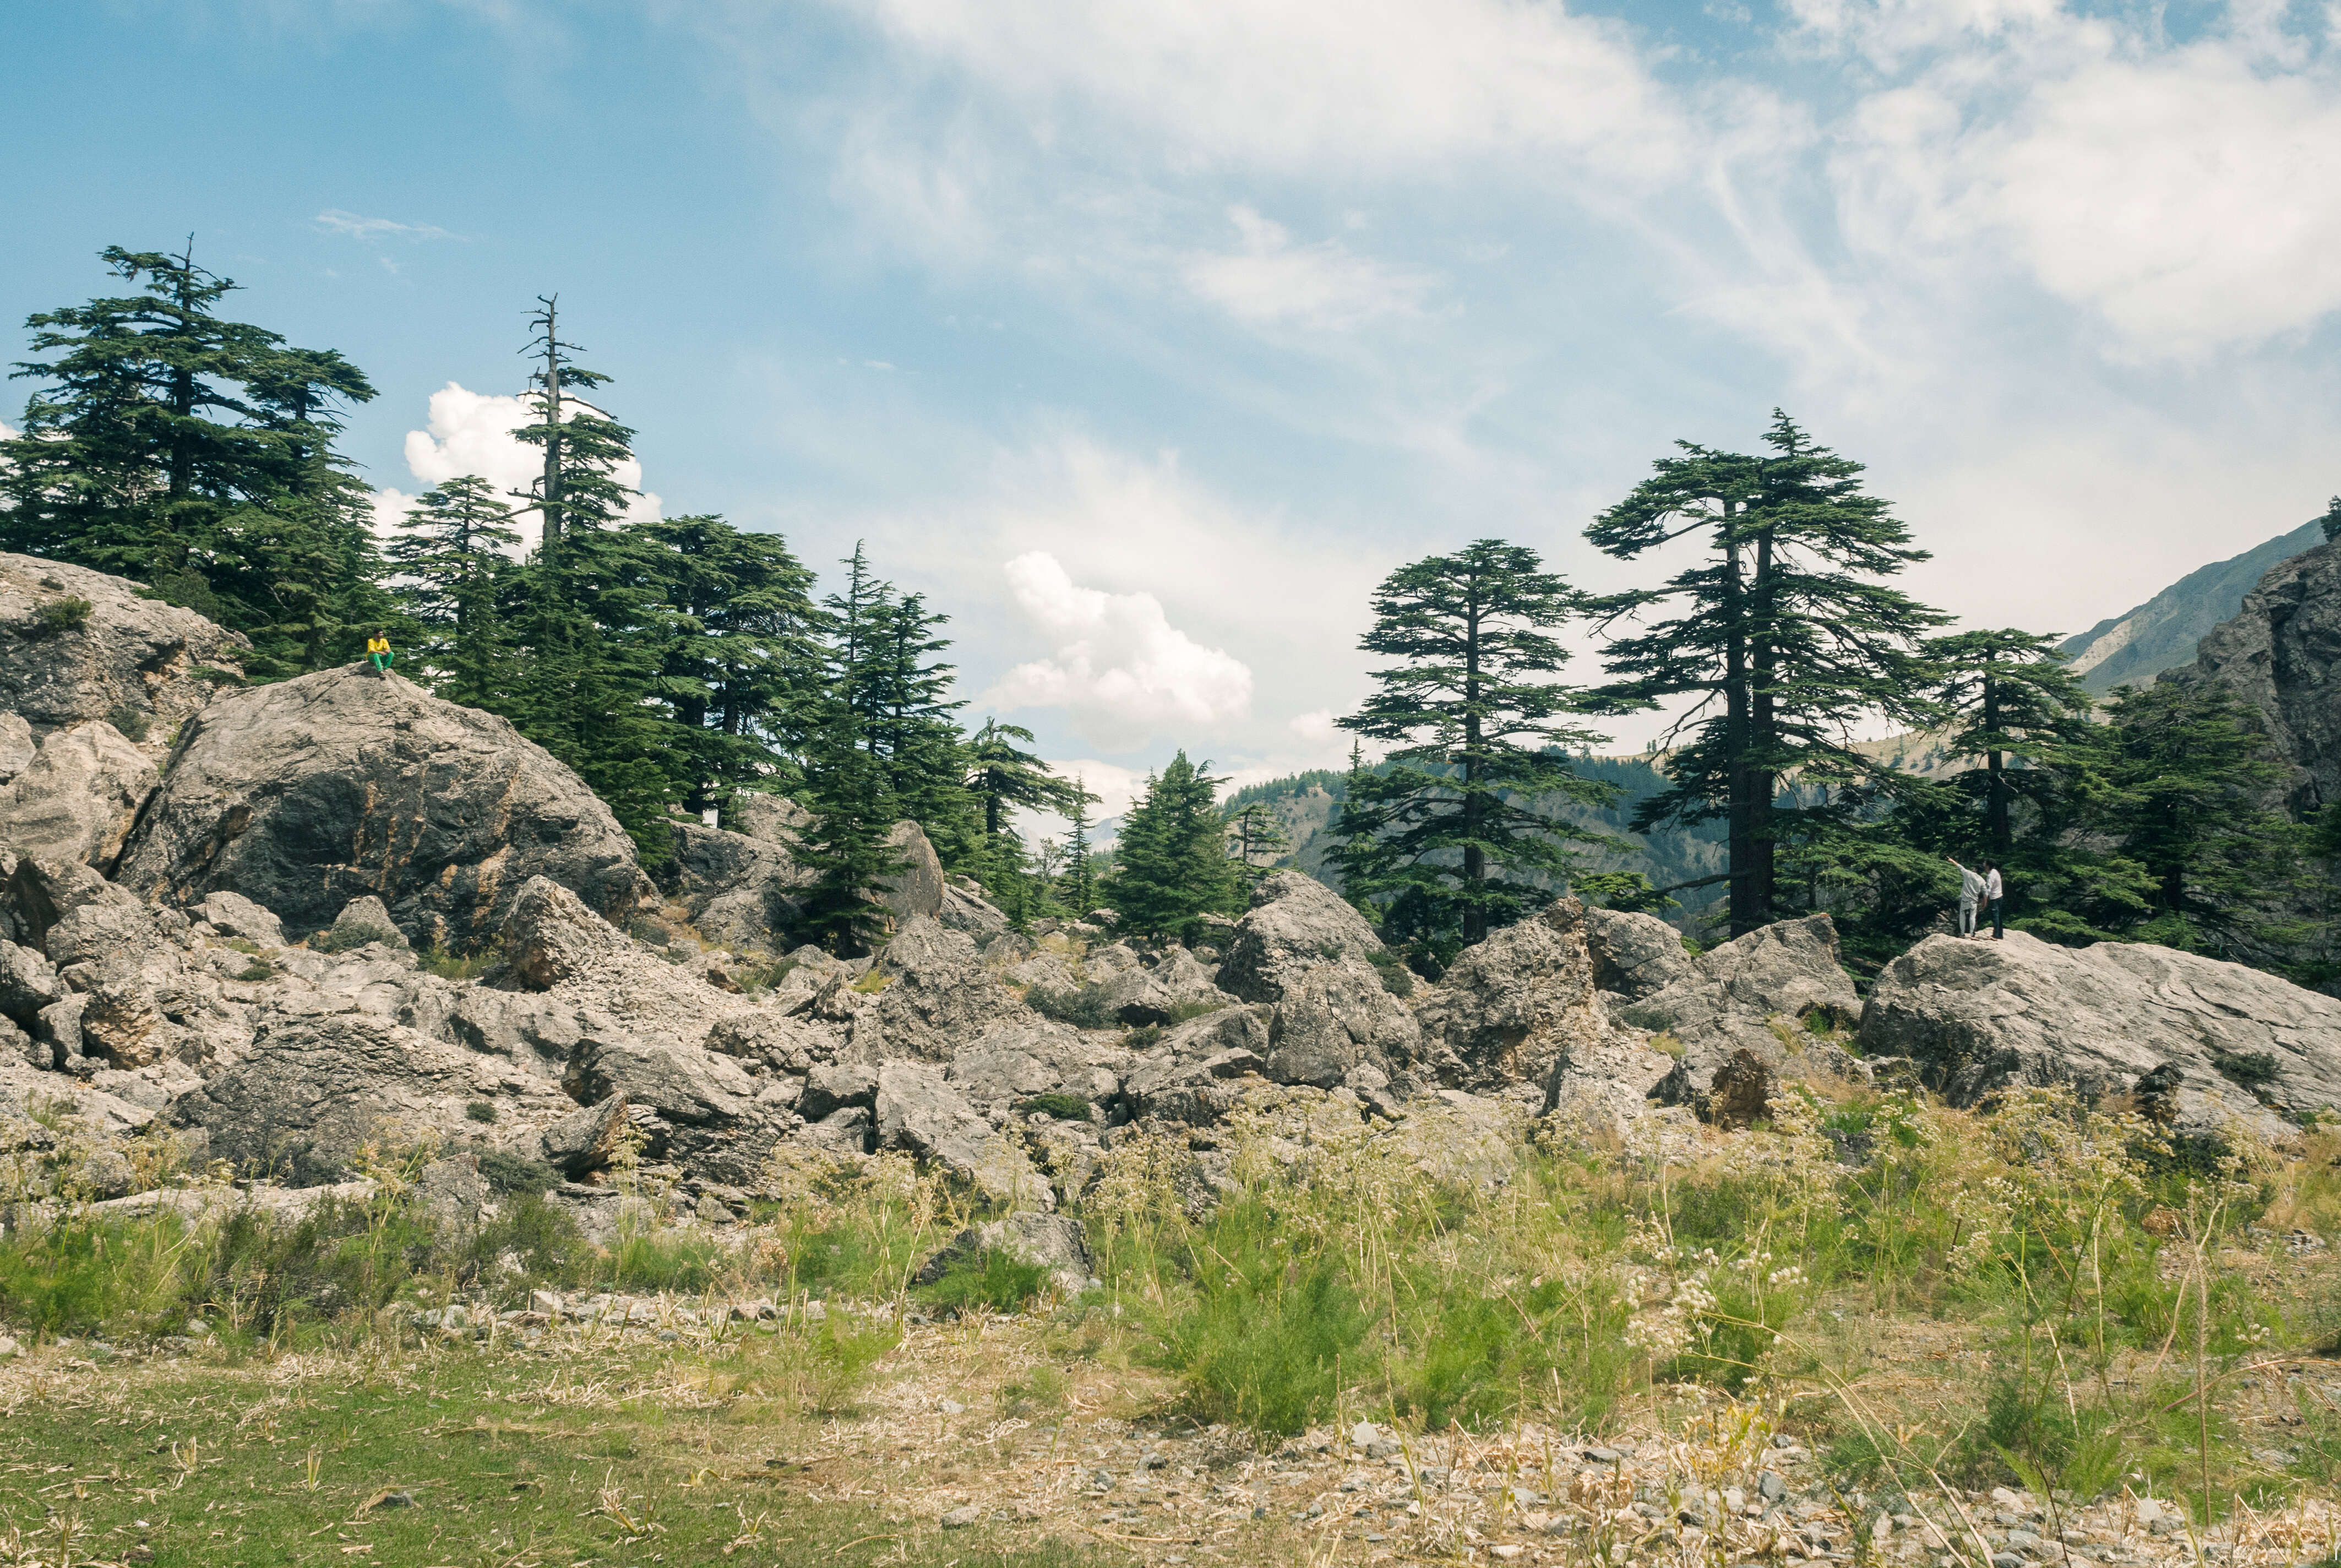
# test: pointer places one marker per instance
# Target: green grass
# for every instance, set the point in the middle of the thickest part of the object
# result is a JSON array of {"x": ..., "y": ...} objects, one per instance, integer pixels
[
  {"x": 224, "y": 1466},
  {"x": 990, "y": 1279}
]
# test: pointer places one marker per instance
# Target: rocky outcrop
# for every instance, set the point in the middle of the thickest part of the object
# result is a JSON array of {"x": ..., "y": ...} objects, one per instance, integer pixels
[
  {"x": 77, "y": 798},
  {"x": 307, "y": 794},
  {"x": 917, "y": 888},
  {"x": 1511, "y": 1009},
  {"x": 1633, "y": 956},
  {"x": 1052, "y": 1242},
  {"x": 1295, "y": 924},
  {"x": 921, "y": 1113},
  {"x": 2218, "y": 1041},
  {"x": 1777, "y": 994},
  {"x": 740, "y": 891},
  {"x": 232, "y": 915},
  {"x": 1173, "y": 986},
  {"x": 137, "y": 663},
  {"x": 17, "y": 746},
  {"x": 933, "y": 997},
  {"x": 2281, "y": 654}
]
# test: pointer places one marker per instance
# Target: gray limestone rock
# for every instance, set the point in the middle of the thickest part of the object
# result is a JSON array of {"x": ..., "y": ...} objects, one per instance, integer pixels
[
  {"x": 232, "y": 914},
  {"x": 2281, "y": 654},
  {"x": 28, "y": 983},
  {"x": 1295, "y": 924},
  {"x": 586, "y": 1139},
  {"x": 1191, "y": 1076},
  {"x": 1013, "y": 1062},
  {"x": 937, "y": 997},
  {"x": 2231, "y": 1042},
  {"x": 130, "y": 660},
  {"x": 1634, "y": 956},
  {"x": 17, "y": 746},
  {"x": 921, "y": 1114},
  {"x": 1761, "y": 993},
  {"x": 773, "y": 818},
  {"x": 1334, "y": 1017},
  {"x": 76, "y": 799},
  {"x": 834, "y": 1085},
  {"x": 1173, "y": 985},
  {"x": 312, "y": 1091},
  {"x": 1511, "y": 1009},
  {"x": 740, "y": 891},
  {"x": 360, "y": 922},
  {"x": 965, "y": 910},
  {"x": 309, "y": 793},
  {"x": 917, "y": 888}
]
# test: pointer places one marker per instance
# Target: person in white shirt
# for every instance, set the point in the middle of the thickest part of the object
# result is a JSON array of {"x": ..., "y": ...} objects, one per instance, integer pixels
[
  {"x": 1992, "y": 891},
  {"x": 1971, "y": 887}
]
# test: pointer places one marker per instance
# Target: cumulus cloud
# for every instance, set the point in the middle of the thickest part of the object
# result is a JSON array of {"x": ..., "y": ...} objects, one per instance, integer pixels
[
  {"x": 1119, "y": 667},
  {"x": 1269, "y": 281},
  {"x": 470, "y": 432}
]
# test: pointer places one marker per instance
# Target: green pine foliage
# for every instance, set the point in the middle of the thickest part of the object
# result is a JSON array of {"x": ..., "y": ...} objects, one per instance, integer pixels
[
  {"x": 195, "y": 454},
  {"x": 1171, "y": 864},
  {"x": 1783, "y": 637},
  {"x": 1437, "y": 838}
]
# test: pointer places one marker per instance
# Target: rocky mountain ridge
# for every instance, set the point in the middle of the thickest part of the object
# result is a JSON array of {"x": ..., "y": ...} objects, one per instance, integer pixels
[{"x": 242, "y": 956}]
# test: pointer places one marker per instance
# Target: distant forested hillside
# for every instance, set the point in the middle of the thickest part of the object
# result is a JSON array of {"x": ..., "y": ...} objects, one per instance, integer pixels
[{"x": 1305, "y": 803}]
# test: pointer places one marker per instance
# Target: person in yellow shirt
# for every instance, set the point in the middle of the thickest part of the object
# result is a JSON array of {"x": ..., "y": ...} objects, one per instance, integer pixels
[{"x": 378, "y": 653}]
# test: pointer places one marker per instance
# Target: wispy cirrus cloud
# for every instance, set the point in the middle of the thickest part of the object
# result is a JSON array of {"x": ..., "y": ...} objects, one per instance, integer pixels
[{"x": 333, "y": 220}]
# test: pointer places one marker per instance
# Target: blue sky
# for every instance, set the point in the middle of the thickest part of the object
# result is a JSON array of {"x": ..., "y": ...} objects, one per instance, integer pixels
[{"x": 1145, "y": 339}]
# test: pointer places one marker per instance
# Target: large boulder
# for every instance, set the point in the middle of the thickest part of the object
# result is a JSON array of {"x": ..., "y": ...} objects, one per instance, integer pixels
[
  {"x": 1174, "y": 986},
  {"x": 2281, "y": 654},
  {"x": 2204, "y": 1043},
  {"x": 1337, "y": 1023},
  {"x": 1633, "y": 956},
  {"x": 137, "y": 662},
  {"x": 315, "y": 791},
  {"x": 933, "y": 997},
  {"x": 76, "y": 798},
  {"x": 1013, "y": 1065},
  {"x": 1295, "y": 924},
  {"x": 921, "y": 1114},
  {"x": 739, "y": 891},
  {"x": 917, "y": 888},
  {"x": 17, "y": 746},
  {"x": 1511, "y": 1008},
  {"x": 1777, "y": 994},
  {"x": 313, "y": 1092}
]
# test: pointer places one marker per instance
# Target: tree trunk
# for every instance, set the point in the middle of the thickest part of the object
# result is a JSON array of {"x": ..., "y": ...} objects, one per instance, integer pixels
[
  {"x": 1763, "y": 848},
  {"x": 1996, "y": 802},
  {"x": 1475, "y": 858},
  {"x": 1739, "y": 840}
]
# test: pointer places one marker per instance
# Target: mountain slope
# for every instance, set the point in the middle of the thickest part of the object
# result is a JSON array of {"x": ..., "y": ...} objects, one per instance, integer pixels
[{"x": 2161, "y": 634}]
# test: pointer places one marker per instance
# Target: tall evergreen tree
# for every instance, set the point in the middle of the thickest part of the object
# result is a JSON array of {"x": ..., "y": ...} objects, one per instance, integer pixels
[
  {"x": 1783, "y": 636},
  {"x": 847, "y": 846},
  {"x": 1257, "y": 837},
  {"x": 2008, "y": 696},
  {"x": 452, "y": 553},
  {"x": 589, "y": 621},
  {"x": 1444, "y": 832},
  {"x": 1078, "y": 880},
  {"x": 739, "y": 661},
  {"x": 915, "y": 734},
  {"x": 195, "y": 454},
  {"x": 1171, "y": 860}
]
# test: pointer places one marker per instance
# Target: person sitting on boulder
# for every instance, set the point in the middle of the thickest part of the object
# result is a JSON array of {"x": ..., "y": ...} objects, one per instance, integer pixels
[
  {"x": 1971, "y": 887},
  {"x": 378, "y": 652}
]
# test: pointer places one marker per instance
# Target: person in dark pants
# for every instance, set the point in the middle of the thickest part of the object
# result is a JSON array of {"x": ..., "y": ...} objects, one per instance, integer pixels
[{"x": 1993, "y": 890}]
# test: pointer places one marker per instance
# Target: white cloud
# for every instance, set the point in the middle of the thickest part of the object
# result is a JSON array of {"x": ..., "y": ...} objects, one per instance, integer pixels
[
  {"x": 1304, "y": 84},
  {"x": 472, "y": 433},
  {"x": 335, "y": 221},
  {"x": 1119, "y": 667},
  {"x": 1270, "y": 281}
]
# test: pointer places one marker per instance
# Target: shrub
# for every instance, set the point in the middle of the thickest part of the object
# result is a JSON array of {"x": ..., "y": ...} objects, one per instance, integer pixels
[
  {"x": 2248, "y": 1068},
  {"x": 1397, "y": 978},
  {"x": 872, "y": 983},
  {"x": 1084, "y": 1009},
  {"x": 480, "y": 1111},
  {"x": 131, "y": 721},
  {"x": 258, "y": 969},
  {"x": 57, "y": 617},
  {"x": 436, "y": 960},
  {"x": 1063, "y": 1107},
  {"x": 338, "y": 939},
  {"x": 506, "y": 1172},
  {"x": 989, "y": 1278}
]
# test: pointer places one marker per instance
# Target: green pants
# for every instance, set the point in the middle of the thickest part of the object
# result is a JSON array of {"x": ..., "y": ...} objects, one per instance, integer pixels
[{"x": 382, "y": 662}]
